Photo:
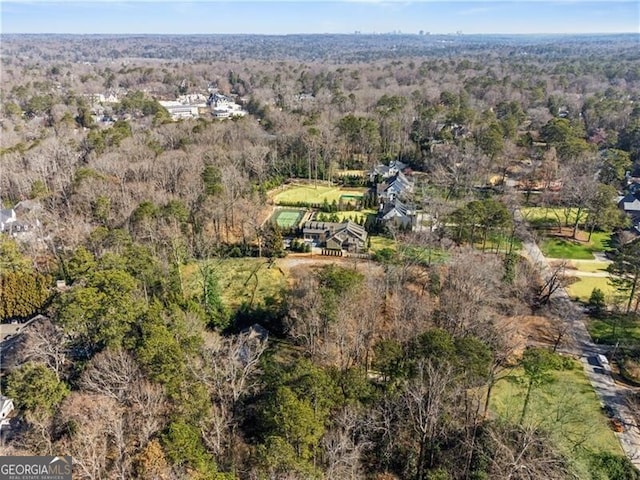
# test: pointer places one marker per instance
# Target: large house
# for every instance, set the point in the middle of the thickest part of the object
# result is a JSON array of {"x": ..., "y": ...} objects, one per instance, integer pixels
[
  {"x": 386, "y": 171},
  {"x": 630, "y": 203},
  {"x": 394, "y": 195},
  {"x": 397, "y": 186},
  {"x": 347, "y": 236},
  {"x": 20, "y": 219},
  {"x": 224, "y": 107},
  {"x": 398, "y": 213}
]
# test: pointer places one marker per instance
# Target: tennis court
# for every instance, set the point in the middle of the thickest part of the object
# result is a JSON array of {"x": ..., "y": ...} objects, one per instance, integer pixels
[{"x": 287, "y": 218}]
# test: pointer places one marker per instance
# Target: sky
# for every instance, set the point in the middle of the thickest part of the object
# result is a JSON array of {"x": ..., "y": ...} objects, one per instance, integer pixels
[{"x": 313, "y": 16}]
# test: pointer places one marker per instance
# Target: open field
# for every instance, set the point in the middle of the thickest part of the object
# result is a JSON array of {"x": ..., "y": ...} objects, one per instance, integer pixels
[
  {"x": 287, "y": 218},
  {"x": 611, "y": 329},
  {"x": 587, "y": 266},
  {"x": 568, "y": 408},
  {"x": 311, "y": 194},
  {"x": 541, "y": 217},
  {"x": 564, "y": 248},
  {"x": 555, "y": 246},
  {"x": 241, "y": 280},
  {"x": 378, "y": 243},
  {"x": 583, "y": 286},
  {"x": 556, "y": 226}
]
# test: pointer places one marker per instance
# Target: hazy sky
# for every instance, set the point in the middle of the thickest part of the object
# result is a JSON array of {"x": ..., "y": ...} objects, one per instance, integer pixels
[{"x": 305, "y": 16}]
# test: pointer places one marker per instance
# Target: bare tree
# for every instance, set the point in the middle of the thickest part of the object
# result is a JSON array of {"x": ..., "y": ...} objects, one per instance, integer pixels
[
  {"x": 45, "y": 342},
  {"x": 523, "y": 453},
  {"x": 426, "y": 398},
  {"x": 343, "y": 449}
]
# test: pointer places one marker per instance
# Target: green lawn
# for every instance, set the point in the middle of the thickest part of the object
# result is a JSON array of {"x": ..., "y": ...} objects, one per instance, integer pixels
[
  {"x": 590, "y": 267},
  {"x": 548, "y": 219},
  {"x": 417, "y": 254},
  {"x": 554, "y": 247},
  {"x": 549, "y": 216},
  {"x": 351, "y": 173},
  {"x": 355, "y": 216},
  {"x": 600, "y": 241},
  {"x": 240, "y": 280},
  {"x": 568, "y": 408},
  {"x": 611, "y": 329},
  {"x": 378, "y": 243},
  {"x": 310, "y": 194},
  {"x": 583, "y": 286}
]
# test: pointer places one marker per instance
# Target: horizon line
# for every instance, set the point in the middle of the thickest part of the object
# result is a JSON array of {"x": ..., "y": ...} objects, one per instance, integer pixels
[{"x": 355, "y": 33}]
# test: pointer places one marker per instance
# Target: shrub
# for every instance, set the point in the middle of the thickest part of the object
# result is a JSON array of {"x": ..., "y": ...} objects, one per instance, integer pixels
[{"x": 596, "y": 300}]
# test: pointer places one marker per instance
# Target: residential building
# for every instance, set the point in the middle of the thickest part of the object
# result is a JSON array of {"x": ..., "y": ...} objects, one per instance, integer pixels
[
  {"x": 398, "y": 213},
  {"x": 7, "y": 219},
  {"x": 347, "y": 236},
  {"x": 630, "y": 203}
]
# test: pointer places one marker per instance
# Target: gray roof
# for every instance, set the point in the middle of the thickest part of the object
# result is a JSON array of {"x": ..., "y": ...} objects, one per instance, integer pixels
[{"x": 630, "y": 203}]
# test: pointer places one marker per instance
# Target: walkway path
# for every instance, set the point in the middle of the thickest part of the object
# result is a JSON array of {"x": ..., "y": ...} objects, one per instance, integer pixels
[{"x": 581, "y": 344}]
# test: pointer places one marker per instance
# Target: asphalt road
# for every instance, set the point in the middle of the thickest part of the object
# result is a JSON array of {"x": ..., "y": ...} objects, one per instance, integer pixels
[{"x": 581, "y": 344}]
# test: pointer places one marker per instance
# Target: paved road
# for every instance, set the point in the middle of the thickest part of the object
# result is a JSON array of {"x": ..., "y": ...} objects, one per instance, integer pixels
[{"x": 581, "y": 344}]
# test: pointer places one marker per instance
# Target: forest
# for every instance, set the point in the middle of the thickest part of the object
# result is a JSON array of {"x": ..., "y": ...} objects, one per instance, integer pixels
[{"x": 180, "y": 333}]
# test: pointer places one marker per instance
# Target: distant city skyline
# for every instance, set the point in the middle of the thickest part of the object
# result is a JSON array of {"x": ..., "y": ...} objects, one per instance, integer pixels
[{"x": 308, "y": 16}]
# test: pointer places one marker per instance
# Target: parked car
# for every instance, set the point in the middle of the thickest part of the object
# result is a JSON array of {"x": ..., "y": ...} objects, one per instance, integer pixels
[{"x": 603, "y": 362}]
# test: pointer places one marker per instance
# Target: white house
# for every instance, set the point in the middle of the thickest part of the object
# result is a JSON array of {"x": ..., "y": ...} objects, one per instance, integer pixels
[{"x": 7, "y": 218}]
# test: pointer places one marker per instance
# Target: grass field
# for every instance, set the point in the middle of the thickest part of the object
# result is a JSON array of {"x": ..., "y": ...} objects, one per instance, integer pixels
[
  {"x": 351, "y": 173},
  {"x": 540, "y": 217},
  {"x": 378, "y": 243},
  {"x": 583, "y": 286},
  {"x": 554, "y": 247},
  {"x": 241, "y": 280},
  {"x": 614, "y": 328},
  {"x": 568, "y": 408},
  {"x": 589, "y": 267},
  {"x": 317, "y": 194},
  {"x": 569, "y": 249},
  {"x": 354, "y": 216},
  {"x": 286, "y": 218}
]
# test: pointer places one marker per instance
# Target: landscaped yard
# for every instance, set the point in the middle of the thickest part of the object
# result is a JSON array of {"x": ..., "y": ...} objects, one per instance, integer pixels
[
  {"x": 568, "y": 408},
  {"x": 241, "y": 280},
  {"x": 378, "y": 243},
  {"x": 558, "y": 247},
  {"x": 557, "y": 242},
  {"x": 351, "y": 173},
  {"x": 564, "y": 248},
  {"x": 355, "y": 216},
  {"x": 543, "y": 217},
  {"x": 611, "y": 329},
  {"x": 310, "y": 194},
  {"x": 583, "y": 286},
  {"x": 594, "y": 266}
]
